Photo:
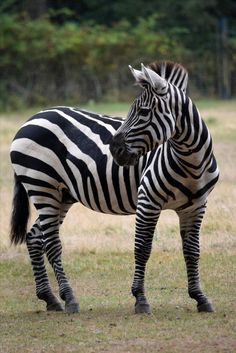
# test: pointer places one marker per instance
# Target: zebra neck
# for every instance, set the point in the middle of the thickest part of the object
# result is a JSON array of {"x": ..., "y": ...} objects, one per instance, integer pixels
[{"x": 192, "y": 143}]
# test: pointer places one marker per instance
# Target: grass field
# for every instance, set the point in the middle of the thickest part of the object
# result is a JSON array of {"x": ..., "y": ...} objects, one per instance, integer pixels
[{"x": 98, "y": 259}]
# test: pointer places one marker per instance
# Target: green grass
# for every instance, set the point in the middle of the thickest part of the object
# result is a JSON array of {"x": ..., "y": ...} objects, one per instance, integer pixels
[
  {"x": 106, "y": 322},
  {"x": 213, "y": 103},
  {"x": 108, "y": 108},
  {"x": 103, "y": 108}
]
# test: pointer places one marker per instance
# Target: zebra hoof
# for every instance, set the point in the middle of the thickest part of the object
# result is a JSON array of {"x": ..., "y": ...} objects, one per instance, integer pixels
[
  {"x": 206, "y": 307},
  {"x": 55, "y": 307},
  {"x": 142, "y": 308},
  {"x": 72, "y": 308}
]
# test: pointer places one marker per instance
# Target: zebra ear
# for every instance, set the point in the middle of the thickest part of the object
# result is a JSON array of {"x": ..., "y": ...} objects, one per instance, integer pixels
[
  {"x": 156, "y": 81},
  {"x": 139, "y": 76}
]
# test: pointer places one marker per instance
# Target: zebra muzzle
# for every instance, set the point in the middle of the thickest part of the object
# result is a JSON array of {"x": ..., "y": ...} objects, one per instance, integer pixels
[{"x": 122, "y": 155}]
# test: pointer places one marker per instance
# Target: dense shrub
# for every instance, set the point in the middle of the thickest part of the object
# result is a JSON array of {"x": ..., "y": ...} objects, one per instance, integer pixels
[{"x": 43, "y": 62}]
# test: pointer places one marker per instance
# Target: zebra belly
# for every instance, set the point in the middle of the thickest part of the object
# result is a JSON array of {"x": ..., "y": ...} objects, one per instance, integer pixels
[
  {"x": 105, "y": 187},
  {"x": 101, "y": 186}
]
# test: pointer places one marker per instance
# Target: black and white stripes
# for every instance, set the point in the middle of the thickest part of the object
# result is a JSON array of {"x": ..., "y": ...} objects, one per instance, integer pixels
[
  {"x": 58, "y": 141},
  {"x": 163, "y": 159},
  {"x": 165, "y": 125}
]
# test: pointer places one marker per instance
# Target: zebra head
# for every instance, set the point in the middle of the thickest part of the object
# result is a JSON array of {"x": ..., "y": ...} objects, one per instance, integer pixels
[{"x": 150, "y": 121}]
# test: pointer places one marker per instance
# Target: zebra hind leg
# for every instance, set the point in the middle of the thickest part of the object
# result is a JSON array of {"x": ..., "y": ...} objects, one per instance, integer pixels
[
  {"x": 36, "y": 252},
  {"x": 51, "y": 218},
  {"x": 190, "y": 224}
]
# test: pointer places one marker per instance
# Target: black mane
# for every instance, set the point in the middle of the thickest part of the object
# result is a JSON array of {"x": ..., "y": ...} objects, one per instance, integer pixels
[{"x": 172, "y": 72}]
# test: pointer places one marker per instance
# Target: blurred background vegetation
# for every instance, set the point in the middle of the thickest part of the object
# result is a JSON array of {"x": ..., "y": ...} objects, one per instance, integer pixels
[{"x": 71, "y": 52}]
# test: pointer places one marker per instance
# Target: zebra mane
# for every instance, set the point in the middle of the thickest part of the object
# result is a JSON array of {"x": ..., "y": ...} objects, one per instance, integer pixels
[{"x": 172, "y": 72}]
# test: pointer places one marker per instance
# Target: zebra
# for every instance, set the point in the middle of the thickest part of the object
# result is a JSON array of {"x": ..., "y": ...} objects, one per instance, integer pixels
[
  {"x": 159, "y": 157},
  {"x": 164, "y": 124}
]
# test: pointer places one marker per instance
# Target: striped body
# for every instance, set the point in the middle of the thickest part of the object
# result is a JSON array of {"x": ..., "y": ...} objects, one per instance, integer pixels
[
  {"x": 57, "y": 142},
  {"x": 70, "y": 150},
  {"x": 163, "y": 159}
]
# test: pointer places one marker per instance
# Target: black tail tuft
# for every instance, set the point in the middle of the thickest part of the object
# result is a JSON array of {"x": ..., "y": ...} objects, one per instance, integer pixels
[{"x": 20, "y": 213}]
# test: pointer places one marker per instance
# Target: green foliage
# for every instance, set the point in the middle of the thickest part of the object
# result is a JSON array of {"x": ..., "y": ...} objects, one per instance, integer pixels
[
  {"x": 52, "y": 52},
  {"x": 45, "y": 62}
]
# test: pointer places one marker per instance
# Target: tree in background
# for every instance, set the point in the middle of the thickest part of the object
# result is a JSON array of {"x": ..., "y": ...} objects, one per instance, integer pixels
[{"x": 71, "y": 51}]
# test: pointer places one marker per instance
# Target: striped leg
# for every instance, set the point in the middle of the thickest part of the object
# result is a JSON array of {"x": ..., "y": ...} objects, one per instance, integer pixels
[
  {"x": 50, "y": 220},
  {"x": 36, "y": 251},
  {"x": 190, "y": 224},
  {"x": 146, "y": 219}
]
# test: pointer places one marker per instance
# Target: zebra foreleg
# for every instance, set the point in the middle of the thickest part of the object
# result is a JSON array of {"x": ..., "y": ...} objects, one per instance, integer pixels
[
  {"x": 36, "y": 252},
  {"x": 145, "y": 225},
  {"x": 50, "y": 224},
  {"x": 190, "y": 224}
]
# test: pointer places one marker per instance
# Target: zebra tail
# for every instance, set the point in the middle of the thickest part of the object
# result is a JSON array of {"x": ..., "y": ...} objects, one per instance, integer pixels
[{"x": 20, "y": 214}]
